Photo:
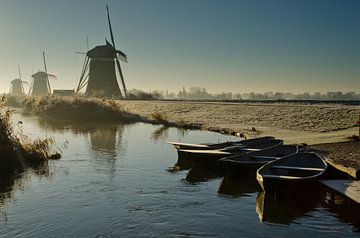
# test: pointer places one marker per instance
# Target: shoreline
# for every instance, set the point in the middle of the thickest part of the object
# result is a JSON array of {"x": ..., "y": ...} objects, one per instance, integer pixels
[{"x": 319, "y": 124}]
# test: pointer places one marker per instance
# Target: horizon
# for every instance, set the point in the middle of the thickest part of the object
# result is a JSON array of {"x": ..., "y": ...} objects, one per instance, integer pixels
[{"x": 231, "y": 46}]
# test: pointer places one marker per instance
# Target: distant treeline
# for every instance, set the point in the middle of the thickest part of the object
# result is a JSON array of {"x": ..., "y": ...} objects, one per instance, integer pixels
[{"x": 197, "y": 93}]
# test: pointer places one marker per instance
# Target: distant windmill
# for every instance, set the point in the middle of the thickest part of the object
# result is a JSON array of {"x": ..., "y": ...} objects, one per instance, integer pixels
[
  {"x": 17, "y": 87},
  {"x": 40, "y": 85},
  {"x": 99, "y": 70}
]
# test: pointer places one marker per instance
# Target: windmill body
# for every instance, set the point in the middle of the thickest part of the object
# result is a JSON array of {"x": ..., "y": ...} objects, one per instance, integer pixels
[
  {"x": 102, "y": 75},
  {"x": 40, "y": 86},
  {"x": 17, "y": 87}
]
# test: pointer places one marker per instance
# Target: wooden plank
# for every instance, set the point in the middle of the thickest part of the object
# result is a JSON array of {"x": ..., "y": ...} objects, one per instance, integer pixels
[
  {"x": 349, "y": 188},
  {"x": 350, "y": 171}
]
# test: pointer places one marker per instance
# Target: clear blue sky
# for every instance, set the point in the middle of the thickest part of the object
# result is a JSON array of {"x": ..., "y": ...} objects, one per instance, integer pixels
[{"x": 229, "y": 45}]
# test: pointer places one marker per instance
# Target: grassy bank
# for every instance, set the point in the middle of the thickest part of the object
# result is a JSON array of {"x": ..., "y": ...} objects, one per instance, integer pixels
[
  {"x": 90, "y": 109},
  {"x": 19, "y": 154}
]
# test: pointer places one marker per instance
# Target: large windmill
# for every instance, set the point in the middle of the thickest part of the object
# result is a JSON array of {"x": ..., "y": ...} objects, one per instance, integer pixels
[
  {"x": 40, "y": 85},
  {"x": 17, "y": 87},
  {"x": 99, "y": 72}
]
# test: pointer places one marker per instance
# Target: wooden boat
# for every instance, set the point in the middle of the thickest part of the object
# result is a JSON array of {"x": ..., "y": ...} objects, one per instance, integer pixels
[
  {"x": 295, "y": 170},
  {"x": 250, "y": 162},
  {"x": 214, "y": 155},
  {"x": 216, "y": 146}
]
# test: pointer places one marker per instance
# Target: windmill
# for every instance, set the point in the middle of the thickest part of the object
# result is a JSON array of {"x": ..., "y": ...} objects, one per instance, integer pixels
[
  {"x": 40, "y": 85},
  {"x": 17, "y": 87},
  {"x": 99, "y": 72}
]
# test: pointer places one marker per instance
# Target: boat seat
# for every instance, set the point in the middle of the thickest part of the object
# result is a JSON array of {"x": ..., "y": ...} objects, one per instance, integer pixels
[
  {"x": 281, "y": 176},
  {"x": 264, "y": 157},
  {"x": 250, "y": 149},
  {"x": 296, "y": 168}
]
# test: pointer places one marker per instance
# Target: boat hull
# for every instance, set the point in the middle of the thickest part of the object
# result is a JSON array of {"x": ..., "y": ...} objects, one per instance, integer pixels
[{"x": 271, "y": 185}]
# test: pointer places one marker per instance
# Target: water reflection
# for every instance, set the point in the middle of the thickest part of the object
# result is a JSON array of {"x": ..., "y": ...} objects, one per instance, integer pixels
[
  {"x": 289, "y": 206},
  {"x": 162, "y": 133},
  {"x": 200, "y": 173},
  {"x": 181, "y": 164},
  {"x": 345, "y": 209},
  {"x": 285, "y": 207},
  {"x": 104, "y": 137},
  {"x": 239, "y": 187},
  {"x": 11, "y": 181}
]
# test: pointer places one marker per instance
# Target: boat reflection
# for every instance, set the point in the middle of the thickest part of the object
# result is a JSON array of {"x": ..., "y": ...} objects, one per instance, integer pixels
[
  {"x": 285, "y": 207},
  {"x": 181, "y": 164},
  {"x": 288, "y": 206},
  {"x": 199, "y": 173},
  {"x": 239, "y": 187}
]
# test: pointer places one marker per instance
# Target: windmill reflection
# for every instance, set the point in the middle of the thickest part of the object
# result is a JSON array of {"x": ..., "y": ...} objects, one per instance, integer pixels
[{"x": 104, "y": 137}]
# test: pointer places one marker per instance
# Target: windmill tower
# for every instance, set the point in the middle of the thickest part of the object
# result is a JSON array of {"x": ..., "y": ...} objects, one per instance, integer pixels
[
  {"x": 99, "y": 73},
  {"x": 40, "y": 85},
  {"x": 17, "y": 87}
]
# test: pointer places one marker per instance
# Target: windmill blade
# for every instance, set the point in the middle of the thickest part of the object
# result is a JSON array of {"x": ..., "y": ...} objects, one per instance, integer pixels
[
  {"x": 19, "y": 72},
  {"x": 47, "y": 76},
  {"x": 121, "y": 77},
  {"x": 31, "y": 86},
  {"x": 122, "y": 56},
  {"x": 117, "y": 59},
  {"x": 25, "y": 82},
  {"x": 81, "y": 53},
  {"x": 44, "y": 62},
  {"x": 110, "y": 28},
  {"x": 83, "y": 71},
  {"x": 52, "y": 76}
]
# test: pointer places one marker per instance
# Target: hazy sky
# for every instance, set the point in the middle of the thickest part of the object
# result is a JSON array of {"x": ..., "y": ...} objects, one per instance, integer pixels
[{"x": 223, "y": 45}]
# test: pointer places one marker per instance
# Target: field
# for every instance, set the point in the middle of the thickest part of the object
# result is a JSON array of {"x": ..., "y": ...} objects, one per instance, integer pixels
[{"x": 293, "y": 122}]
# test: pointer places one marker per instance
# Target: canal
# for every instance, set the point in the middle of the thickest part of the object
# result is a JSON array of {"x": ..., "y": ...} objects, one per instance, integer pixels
[{"x": 119, "y": 180}]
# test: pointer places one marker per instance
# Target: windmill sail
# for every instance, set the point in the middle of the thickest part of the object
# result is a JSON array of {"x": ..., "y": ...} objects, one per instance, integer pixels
[{"x": 117, "y": 59}]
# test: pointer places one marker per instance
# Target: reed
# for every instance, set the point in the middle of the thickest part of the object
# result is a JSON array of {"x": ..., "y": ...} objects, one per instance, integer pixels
[{"x": 18, "y": 153}]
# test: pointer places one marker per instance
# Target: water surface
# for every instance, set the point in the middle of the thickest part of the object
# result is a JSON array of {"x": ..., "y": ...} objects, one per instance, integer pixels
[{"x": 115, "y": 180}]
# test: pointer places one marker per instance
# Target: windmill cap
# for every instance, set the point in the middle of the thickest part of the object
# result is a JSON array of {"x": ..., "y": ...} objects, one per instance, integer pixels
[
  {"x": 40, "y": 74},
  {"x": 103, "y": 51}
]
